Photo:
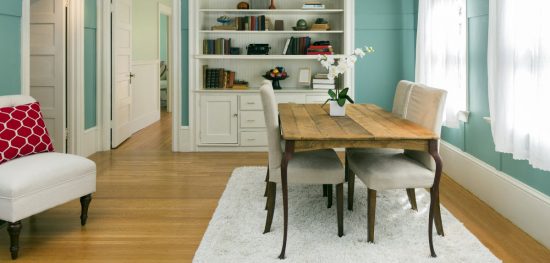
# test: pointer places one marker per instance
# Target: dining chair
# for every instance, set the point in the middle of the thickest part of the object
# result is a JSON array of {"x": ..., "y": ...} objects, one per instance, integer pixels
[
  {"x": 407, "y": 170},
  {"x": 400, "y": 103},
  {"x": 321, "y": 167}
]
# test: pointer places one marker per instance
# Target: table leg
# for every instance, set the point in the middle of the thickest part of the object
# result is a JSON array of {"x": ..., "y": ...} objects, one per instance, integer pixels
[
  {"x": 289, "y": 150},
  {"x": 434, "y": 191}
]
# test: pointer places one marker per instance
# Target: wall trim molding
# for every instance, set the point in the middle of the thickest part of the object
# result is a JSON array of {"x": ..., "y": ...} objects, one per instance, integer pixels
[
  {"x": 90, "y": 142},
  {"x": 184, "y": 144},
  {"x": 526, "y": 207}
]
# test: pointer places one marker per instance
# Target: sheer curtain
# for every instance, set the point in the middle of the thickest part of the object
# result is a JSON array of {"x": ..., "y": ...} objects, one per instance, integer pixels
[
  {"x": 441, "y": 52},
  {"x": 519, "y": 79}
]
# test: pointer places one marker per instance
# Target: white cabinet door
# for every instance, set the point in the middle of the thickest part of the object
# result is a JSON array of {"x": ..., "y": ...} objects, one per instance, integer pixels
[{"x": 219, "y": 119}]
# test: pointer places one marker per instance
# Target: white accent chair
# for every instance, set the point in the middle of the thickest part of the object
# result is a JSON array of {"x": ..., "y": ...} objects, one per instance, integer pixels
[
  {"x": 400, "y": 104},
  {"x": 322, "y": 167},
  {"x": 35, "y": 183},
  {"x": 407, "y": 170}
]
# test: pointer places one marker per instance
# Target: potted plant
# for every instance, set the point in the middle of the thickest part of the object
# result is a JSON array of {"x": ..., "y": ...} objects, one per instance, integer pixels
[{"x": 337, "y": 67}]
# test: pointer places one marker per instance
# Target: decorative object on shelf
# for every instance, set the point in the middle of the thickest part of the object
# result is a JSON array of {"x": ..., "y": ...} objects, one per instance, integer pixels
[
  {"x": 321, "y": 82},
  {"x": 235, "y": 51},
  {"x": 252, "y": 23},
  {"x": 217, "y": 78},
  {"x": 313, "y": 5},
  {"x": 297, "y": 46},
  {"x": 224, "y": 20},
  {"x": 321, "y": 24},
  {"x": 316, "y": 49},
  {"x": 243, "y": 5},
  {"x": 304, "y": 76},
  {"x": 279, "y": 25},
  {"x": 258, "y": 49},
  {"x": 336, "y": 68},
  {"x": 259, "y": 4},
  {"x": 301, "y": 25},
  {"x": 240, "y": 85},
  {"x": 275, "y": 75},
  {"x": 272, "y": 5}
]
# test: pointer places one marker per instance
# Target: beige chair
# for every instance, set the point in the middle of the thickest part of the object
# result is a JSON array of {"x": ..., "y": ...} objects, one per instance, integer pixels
[
  {"x": 32, "y": 184},
  {"x": 400, "y": 103},
  {"x": 408, "y": 170},
  {"x": 322, "y": 167}
]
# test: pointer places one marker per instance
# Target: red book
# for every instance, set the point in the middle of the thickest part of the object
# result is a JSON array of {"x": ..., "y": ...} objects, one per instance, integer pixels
[
  {"x": 253, "y": 23},
  {"x": 320, "y": 53}
]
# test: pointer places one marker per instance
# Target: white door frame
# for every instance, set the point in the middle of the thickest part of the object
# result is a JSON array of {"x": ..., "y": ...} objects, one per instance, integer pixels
[
  {"x": 104, "y": 67},
  {"x": 74, "y": 73}
]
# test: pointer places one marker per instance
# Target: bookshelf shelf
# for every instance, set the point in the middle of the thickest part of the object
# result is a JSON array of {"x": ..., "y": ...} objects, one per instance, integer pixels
[
  {"x": 272, "y": 11},
  {"x": 286, "y": 32},
  {"x": 261, "y": 57}
]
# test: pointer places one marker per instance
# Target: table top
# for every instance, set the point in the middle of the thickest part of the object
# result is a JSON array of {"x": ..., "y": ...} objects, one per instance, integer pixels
[{"x": 363, "y": 122}]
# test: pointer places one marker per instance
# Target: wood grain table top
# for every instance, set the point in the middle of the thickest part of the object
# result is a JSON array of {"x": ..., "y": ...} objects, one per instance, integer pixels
[{"x": 363, "y": 122}]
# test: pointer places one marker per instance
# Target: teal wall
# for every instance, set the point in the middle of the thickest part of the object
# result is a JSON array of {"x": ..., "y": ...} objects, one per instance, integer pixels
[
  {"x": 163, "y": 37},
  {"x": 10, "y": 47},
  {"x": 90, "y": 66},
  {"x": 475, "y": 136}
]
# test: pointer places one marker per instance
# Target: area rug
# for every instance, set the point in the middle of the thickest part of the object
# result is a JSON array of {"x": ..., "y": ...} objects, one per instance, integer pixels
[{"x": 235, "y": 233}]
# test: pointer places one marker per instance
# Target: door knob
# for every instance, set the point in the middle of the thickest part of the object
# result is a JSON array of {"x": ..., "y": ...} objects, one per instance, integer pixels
[{"x": 132, "y": 75}]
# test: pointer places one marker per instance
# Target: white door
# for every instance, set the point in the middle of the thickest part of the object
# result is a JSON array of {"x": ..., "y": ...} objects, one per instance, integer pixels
[
  {"x": 47, "y": 65},
  {"x": 122, "y": 72},
  {"x": 219, "y": 119}
]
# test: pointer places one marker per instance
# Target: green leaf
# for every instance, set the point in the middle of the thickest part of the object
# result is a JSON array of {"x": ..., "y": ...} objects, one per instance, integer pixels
[
  {"x": 350, "y": 99},
  {"x": 332, "y": 94},
  {"x": 326, "y": 102},
  {"x": 341, "y": 102},
  {"x": 344, "y": 93}
]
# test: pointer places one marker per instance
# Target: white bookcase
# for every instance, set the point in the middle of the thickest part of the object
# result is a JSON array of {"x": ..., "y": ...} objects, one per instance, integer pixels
[{"x": 232, "y": 120}]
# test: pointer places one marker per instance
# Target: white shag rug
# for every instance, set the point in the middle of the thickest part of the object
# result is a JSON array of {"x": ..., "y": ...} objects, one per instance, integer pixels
[{"x": 235, "y": 233}]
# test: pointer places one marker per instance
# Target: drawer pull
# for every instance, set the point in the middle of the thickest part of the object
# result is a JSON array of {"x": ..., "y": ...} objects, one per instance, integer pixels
[
  {"x": 250, "y": 120},
  {"x": 251, "y": 140},
  {"x": 251, "y": 103}
]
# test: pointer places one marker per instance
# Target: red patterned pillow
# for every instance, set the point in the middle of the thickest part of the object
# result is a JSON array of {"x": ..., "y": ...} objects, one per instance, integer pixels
[{"x": 23, "y": 132}]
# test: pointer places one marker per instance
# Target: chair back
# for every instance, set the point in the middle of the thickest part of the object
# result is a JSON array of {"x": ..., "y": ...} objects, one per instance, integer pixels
[
  {"x": 401, "y": 98},
  {"x": 426, "y": 106},
  {"x": 15, "y": 100},
  {"x": 271, "y": 114}
]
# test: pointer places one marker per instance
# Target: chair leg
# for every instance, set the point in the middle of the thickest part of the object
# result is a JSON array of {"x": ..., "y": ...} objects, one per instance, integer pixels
[
  {"x": 14, "y": 229},
  {"x": 271, "y": 195},
  {"x": 371, "y": 214},
  {"x": 329, "y": 196},
  {"x": 437, "y": 216},
  {"x": 412, "y": 198},
  {"x": 266, "y": 182},
  {"x": 325, "y": 190},
  {"x": 85, "y": 203},
  {"x": 351, "y": 186},
  {"x": 340, "y": 208}
]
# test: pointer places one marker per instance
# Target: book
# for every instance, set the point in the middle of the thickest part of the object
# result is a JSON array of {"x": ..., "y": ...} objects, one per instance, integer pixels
[
  {"x": 285, "y": 50},
  {"x": 323, "y": 86},
  {"x": 323, "y": 81}
]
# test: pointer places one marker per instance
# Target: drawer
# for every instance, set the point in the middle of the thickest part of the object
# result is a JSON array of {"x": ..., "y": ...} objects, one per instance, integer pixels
[
  {"x": 290, "y": 98},
  {"x": 249, "y": 102},
  {"x": 252, "y": 119},
  {"x": 316, "y": 99},
  {"x": 250, "y": 138}
]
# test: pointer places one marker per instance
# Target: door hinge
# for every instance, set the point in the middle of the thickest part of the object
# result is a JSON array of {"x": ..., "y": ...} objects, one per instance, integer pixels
[{"x": 67, "y": 134}]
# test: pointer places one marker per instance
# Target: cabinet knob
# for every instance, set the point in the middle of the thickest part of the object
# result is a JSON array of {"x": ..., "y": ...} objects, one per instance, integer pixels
[{"x": 235, "y": 115}]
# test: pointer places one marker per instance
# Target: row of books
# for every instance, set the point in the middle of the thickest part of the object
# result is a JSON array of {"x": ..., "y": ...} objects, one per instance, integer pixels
[
  {"x": 251, "y": 23},
  {"x": 320, "y": 50},
  {"x": 313, "y": 5},
  {"x": 321, "y": 81},
  {"x": 217, "y": 78},
  {"x": 297, "y": 46},
  {"x": 218, "y": 46}
]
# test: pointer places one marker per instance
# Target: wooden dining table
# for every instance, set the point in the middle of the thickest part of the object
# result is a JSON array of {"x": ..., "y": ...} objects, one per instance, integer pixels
[{"x": 306, "y": 127}]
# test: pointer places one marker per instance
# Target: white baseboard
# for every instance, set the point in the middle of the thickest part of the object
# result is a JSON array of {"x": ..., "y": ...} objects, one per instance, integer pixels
[
  {"x": 184, "y": 139},
  {"x": 525, "y": 206},
  {"x": 90, "y": 142}
]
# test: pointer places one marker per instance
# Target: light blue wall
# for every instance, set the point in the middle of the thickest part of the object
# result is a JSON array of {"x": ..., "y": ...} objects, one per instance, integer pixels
[
  {"x": 90, "y": 66},
  {"x": 163, "y": 38},
  {"x": 10, "y": 47},
  {"x": 475, "y": 136}
]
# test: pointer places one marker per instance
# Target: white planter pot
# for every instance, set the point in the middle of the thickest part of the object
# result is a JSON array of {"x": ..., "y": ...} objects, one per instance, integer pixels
[{"x": 337, "y": 110}]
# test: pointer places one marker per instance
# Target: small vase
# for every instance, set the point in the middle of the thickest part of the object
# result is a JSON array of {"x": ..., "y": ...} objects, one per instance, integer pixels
[
  {"x": 272, "y": 6},
  {"x": 276, "y": 84},
  {"x": 337, "y": 110}
]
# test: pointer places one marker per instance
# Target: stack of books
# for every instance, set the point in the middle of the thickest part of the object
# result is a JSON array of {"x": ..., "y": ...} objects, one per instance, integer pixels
[
  {"x": 217, "y": 78},
  {"x": 321, "y": 81},
  {"x": 251, "y": 23},
  {"x": 313, "y": 5},
  {"x": 218, "y": 46},
  {"x": 320, "y": 50},
  {"x": 297, "y": 46}
]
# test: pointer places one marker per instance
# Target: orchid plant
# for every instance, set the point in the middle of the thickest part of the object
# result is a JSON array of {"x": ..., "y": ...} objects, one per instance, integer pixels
[{"x": 337, "y": 67}]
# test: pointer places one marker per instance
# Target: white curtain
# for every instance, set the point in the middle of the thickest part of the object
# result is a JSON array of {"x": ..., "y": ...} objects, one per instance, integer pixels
[
  {"x": 441, "y": 52},
  {"x": 519, "y": 79}
]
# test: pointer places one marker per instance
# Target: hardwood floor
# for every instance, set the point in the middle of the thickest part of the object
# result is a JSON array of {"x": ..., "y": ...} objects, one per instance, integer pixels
[{"x": 154, "y": 206}]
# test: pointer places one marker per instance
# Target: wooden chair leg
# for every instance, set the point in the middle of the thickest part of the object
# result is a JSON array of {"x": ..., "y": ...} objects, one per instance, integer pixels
[
  {"x": 85, "y": 203},
  {"x": 371, "y": 214},
  {"x": 437, "y": 216},
  {"x": 14, "y": 230},
  {"x": 340, "y": 208},
  {"x": 271, "y": 195},
  {"x": 412, "y": 198},
  {"x": 266, "y": 182},
  {"x": 351, "y": 187},
  {"x": 329, "y": 196},
  {"x": 325, "y": 190}
]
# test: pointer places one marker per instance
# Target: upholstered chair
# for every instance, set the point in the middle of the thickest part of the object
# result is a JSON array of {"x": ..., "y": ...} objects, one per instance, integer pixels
[
  {"x": 407, "y": 170},
  {"x": 322, "y": 167},
  {"x": 35, "y": 183},
  {"x": 400, "y": 103}
]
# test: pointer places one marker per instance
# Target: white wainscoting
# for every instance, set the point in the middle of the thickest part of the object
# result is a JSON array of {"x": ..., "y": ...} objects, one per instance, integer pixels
[
  {"x": 145, "y": 94},
  {"x": 90, "y": 142},
  {"x": 525, "y": 206}
]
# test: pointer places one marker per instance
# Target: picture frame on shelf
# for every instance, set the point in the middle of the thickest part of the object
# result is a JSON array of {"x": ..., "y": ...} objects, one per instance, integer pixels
[{"x": 304, "y": 76}]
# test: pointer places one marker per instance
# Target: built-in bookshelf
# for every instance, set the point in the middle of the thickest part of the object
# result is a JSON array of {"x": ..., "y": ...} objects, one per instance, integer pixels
[{"x": 203, "y": 15}]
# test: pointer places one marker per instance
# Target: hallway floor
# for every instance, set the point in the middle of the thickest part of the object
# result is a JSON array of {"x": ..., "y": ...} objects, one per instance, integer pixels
[{"x": 153, "y": 205}]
